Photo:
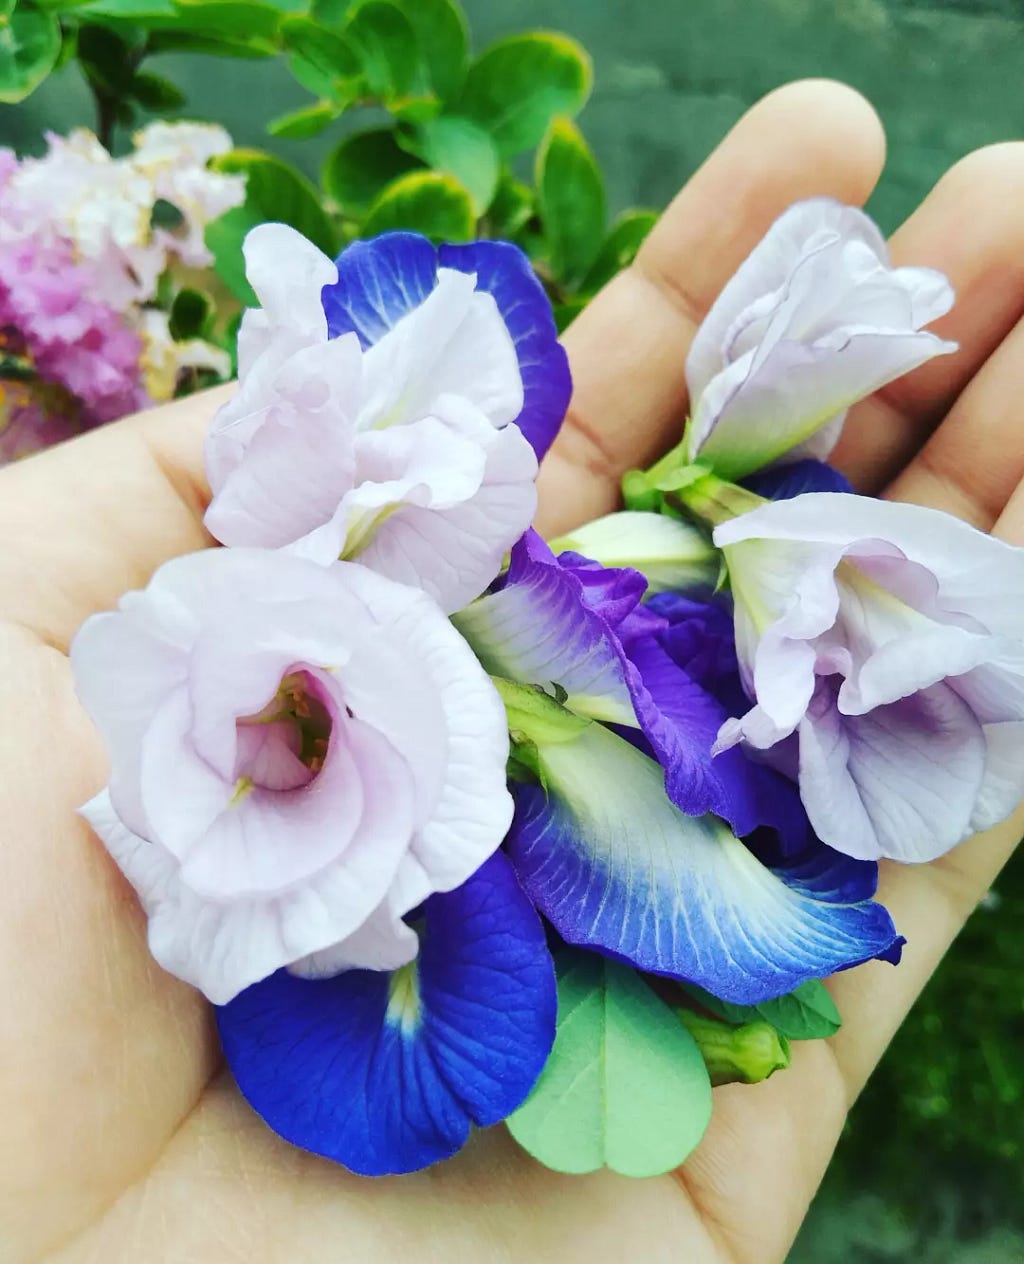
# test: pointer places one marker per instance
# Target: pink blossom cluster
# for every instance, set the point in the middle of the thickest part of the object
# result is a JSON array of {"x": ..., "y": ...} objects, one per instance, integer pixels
[{"x": 81, "y": 339}]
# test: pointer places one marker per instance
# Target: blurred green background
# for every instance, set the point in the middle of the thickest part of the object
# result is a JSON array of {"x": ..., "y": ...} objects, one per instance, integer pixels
[{"x": 930, "y": 1169}]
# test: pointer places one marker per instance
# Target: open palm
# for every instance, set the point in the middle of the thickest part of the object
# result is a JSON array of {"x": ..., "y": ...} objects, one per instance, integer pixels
[{"x": 122, "y": 1138}]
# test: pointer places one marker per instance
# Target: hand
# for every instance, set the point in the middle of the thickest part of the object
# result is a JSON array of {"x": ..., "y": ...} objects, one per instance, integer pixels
[{"x": 123, "y": 1139}]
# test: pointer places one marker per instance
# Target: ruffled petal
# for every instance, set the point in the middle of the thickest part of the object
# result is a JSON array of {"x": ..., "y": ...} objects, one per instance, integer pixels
[
  {"x": 504, "y": 272},
  {"x": 901, "y": 781},
  {"x": 387, "y": 1073},
  {"x": 615, "y": 866}
]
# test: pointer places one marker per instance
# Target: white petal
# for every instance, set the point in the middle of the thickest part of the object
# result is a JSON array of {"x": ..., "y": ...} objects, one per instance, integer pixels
[
  {"x": 976, "y": 573},
  {"x": 288, "y": 273},
  {"x": 900, "y": 782},
  {"x": 1002, "y": 789}
]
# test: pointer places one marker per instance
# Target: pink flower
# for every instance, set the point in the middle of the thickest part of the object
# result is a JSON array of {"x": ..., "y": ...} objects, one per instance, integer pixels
[
  {"x": 70, "y": 338},
  {"x": 300, "y": 755}
]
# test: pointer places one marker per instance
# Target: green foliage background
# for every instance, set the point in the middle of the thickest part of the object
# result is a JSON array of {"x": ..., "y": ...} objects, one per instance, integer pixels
[{"x": 931, "y": 1167}]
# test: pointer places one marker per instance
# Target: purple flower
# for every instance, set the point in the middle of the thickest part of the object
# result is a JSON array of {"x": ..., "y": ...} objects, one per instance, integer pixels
[
  {"x": 386, "y": 408},
  {"x": 887, "y": 642},
  {"x": 815, "y": 319},
  {"x": 300, "y": 755}
]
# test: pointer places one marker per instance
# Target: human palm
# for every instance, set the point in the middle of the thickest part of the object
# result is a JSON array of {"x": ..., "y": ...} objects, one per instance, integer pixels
[{"x": 123, "y": 1139}]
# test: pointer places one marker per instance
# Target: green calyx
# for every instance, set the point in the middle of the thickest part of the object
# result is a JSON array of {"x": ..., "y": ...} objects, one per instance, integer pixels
[{"x": 746, "y": 1055}]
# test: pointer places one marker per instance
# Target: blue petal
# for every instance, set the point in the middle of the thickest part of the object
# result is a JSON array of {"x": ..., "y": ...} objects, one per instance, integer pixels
[
  {"x": 616, "y": 867},
  {"x": 783, "y": 482},
  {"x": 386, "y": 1073},
  {"x": 505, "y": 273},
  {"x": 681, "y": 720},
  {"x": 379, "y": 282},
  {"x": 539, "y": 629}
]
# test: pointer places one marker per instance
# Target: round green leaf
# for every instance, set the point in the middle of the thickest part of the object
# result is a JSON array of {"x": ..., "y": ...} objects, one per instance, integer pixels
[
  {"x": 512, "y": 207},
  {"x": 572, "y": 203},
  {"x": 274, "y": 190},
  {"x": 519, "y": 84},
  {"x": 190, "y": 313},
  {"x": 360, "y": 167},
  {"x": 384, "y": 42},
  {"x": 155, "y": 92},
  {"x": 462, "y": 149},
  {"x": 332, "y": 56},
  {"x": 442, "y": 36},
  {"x": 301, "y": 124},
  {"x": 625, "y": 1086},
  {"x": 808, "y": 1013},
  {"x": 423, "y": 202},
  {"x": 29, "y": 47},
  {"x": 619, "y": 248}
]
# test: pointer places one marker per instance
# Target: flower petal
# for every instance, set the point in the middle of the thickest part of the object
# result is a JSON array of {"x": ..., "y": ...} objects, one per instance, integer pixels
[
  {"x": 539, "y": 629},
  {"x": 504, "y": 272},
  {"x": 387, "y": 1074},
  {"x": 615, "y": 866},
  {"x": 378, "y": 282},
  {"x": 783, "y": 482},
  {"x": 900, "y": 781}
]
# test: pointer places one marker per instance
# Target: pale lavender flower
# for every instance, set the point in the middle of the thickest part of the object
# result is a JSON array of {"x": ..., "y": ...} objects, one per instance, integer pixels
[
  {"x": 815, "y": 319},
  {"x": 883, "y": 646},
  {"x": 403, "y": 454},
  {"x": 300, "y": 755}
]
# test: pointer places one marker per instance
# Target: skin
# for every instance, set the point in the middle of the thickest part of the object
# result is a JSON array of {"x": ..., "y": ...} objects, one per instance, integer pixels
[{"x": 122, "y": 1138}]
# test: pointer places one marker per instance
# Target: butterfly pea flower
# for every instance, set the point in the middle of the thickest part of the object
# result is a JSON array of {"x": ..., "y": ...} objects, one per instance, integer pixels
[
  {"x": 387, "y": 1073},
  {"x": 613, "y": 861},
  {"x": 391, "y": 408},
  {"x": 617, "y": 867},
  {"x": 815, "y": 319},
  {"x": 300, "y": 756},
  {"x": 882, "y": 645}
]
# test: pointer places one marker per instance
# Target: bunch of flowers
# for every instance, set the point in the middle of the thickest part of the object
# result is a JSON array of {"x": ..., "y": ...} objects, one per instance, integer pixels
[
  {"x": 88, "y": 272},
  {"x": 454, "y": 825}
]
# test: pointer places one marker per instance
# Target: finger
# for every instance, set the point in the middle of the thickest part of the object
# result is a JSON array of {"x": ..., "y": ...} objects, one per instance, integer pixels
[
  {"x": 628, "y": 348},
  {"x": 970, "y": 227},
  {"x": 96, "y": 516},
  {"x": 975, "y": 459}
]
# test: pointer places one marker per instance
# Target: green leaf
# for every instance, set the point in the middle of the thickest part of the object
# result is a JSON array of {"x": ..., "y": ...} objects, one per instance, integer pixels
[
  {"x": 274, "y": 190},
  {"x": 246, "y": 18},
  {"x": 301, "y": 124},
  {"x": 142, "y": 11},
  {"x": 155, "y": 92},
  {"x": 105, "y": 57},
  {"x": 331, "y": 55},
  {"x": 330, "y": 12},
  {"x": 532, "y": 715},
  {"x": 190, "y": 313},
  {"x": 424, "y": 202},
  {"x": 170, "y": 41},
  {"x": 361, "y": 166},
  {"x": 572, "y": 203},
  {"x": 465, "y": 151},
  {"x": 385, "y": 44},
  {"x": 565, "y": 313},
  {"x": 29, "y": 47},
  {"x": 808, "y": 1013},
  {"x": 519, "y": 84},
  {"x": 619, "y": 248},
  {"x": 442, "y": 36},
  {"x": 512, "y": 208},
  {"x": 625, "y": 1086}
]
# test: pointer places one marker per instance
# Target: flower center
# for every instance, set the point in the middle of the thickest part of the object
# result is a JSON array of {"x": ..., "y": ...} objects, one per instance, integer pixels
[{"x": 284, "y": 746}]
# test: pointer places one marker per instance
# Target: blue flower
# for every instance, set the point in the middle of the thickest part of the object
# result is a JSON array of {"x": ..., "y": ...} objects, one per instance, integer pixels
[
  {"x": 387, "y": 1073},
  {"x": 616, "y": 864}
]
